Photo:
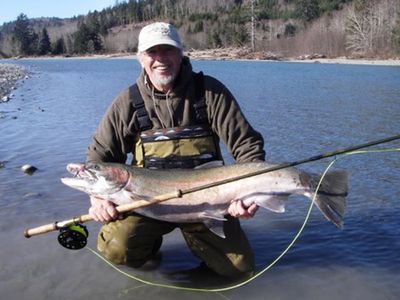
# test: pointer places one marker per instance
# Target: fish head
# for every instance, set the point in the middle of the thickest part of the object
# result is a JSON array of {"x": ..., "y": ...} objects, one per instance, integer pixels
[{"x": 99, "y": 179}]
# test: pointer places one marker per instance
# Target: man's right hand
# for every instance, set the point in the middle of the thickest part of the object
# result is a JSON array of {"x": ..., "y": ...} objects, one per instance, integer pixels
[{"x": 102, "y": 210}]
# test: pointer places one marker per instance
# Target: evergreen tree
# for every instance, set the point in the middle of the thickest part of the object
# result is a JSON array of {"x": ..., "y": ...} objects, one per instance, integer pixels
[
  {"x": 307, "y": 10},
  {"x": 87, "y": 38},
  {"x": 24, "y": 35},
  {"x": 103, "y": 25},
  {"x": 81, "y": 39},
  {"x": 94, "y": 32},
  {"x": 59, "y": 47},
  {"x": 44, "y": 43}
]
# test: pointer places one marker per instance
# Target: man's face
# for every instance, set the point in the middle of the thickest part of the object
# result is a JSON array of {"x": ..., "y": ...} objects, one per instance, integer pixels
[{"x": 162, "y": 64}]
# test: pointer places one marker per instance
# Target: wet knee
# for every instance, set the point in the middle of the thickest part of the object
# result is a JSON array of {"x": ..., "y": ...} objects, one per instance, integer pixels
[
  {"x": 112, "y": 248},
  {"x": 235, "y": 269},
  {"x": 133, "y": 251},
  {"x": 140, "y": 249}
]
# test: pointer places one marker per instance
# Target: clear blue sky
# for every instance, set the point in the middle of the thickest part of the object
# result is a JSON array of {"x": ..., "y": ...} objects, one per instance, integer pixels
[{"x": 10, "y": 9}]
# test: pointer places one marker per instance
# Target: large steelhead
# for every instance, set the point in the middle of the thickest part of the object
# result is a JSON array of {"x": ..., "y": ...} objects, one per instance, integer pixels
[{"x": 123, "y": 184}]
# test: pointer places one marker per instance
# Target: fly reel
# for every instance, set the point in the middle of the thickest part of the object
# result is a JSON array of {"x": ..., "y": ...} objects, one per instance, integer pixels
[{"x": 73, "y": 237}]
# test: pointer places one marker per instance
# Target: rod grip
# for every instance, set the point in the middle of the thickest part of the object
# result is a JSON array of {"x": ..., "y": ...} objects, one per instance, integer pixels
[
  {"x": 86, "y": 218},
  {"x": 40, "y": 230}
]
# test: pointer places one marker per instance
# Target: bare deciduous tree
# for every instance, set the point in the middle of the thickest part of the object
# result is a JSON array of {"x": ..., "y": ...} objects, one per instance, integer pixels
[{"x": 370, "y": 26}]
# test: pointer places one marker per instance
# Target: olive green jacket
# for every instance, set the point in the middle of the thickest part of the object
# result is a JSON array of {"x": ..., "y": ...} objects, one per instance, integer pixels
[{"x": 117, "y": 132}]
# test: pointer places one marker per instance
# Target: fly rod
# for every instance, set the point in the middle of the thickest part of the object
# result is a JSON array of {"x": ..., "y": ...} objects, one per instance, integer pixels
[{"x": 179, "y": 193}]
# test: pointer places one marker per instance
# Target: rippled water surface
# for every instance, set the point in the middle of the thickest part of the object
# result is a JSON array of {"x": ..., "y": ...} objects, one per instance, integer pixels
[{"x": 300, "y": 109}]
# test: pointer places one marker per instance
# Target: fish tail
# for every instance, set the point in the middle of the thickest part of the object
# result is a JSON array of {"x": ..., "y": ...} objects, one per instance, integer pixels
[{"x": 331, "y": 195}]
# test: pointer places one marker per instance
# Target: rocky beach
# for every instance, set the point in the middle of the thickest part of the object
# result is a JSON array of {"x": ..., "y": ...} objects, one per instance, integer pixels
[
  {"x": 245, "y": 53},
  {"x": 9, "y": 77}
]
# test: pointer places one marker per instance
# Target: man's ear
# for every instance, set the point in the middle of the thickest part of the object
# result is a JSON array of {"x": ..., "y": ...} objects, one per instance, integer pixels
[{"x": 140, "y": 58}]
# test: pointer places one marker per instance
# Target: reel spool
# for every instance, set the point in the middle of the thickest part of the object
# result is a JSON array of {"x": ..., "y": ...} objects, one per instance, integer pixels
[{"x": 73, "y": 237}]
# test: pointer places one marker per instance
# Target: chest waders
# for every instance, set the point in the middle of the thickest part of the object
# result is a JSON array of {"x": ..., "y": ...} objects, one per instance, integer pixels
[
  {"x": 136, "y": 239},
  {"x": 178, "y": 147}
]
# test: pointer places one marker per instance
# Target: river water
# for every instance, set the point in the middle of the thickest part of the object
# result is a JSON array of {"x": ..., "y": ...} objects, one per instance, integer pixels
[{"x": 301, "y": 110}]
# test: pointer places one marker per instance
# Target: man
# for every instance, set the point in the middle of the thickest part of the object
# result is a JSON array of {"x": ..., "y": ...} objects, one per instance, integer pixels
[{"x": 194, "y": 112}]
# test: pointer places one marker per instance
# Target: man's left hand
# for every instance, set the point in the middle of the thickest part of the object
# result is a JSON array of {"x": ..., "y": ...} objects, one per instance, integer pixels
[{"x": 238, "y": 210}]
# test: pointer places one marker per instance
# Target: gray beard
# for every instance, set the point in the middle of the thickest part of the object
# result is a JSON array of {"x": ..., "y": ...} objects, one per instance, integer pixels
[{"x": 164, "y": 81}]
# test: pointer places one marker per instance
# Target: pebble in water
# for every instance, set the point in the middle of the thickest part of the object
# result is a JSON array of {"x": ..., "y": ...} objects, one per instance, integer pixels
[{"x": 28, "y": 169}]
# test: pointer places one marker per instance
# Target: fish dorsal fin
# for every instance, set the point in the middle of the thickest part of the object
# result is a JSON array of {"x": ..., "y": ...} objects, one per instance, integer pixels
[
  {"x": 215, "y": 226},
  {"x": 211, "y": 164}
]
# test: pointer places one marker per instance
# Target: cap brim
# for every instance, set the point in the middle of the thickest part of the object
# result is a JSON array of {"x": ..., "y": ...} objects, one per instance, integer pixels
[{"x": 169, "y": 42}]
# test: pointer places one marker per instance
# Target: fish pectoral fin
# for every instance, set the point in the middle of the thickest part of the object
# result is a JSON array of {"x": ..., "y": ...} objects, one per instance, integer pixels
[
  {"x": 212, "y": 215},
  {"x": 137, "y": 197},
  {"x": 275, "y": 203},
  {"x": 214, "y": 222},
  {"x": 215, "y": 226},
  {"x": 134, "y": 198},
  {"x": 211, "y": 164}
]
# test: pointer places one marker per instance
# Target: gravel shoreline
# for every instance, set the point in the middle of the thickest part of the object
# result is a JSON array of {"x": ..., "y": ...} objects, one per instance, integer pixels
[
  {"x": 245, "y": 54},
  {"x": 9, "y": 77}
]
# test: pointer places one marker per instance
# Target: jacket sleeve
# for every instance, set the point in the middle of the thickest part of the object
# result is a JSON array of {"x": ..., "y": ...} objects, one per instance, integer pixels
[
  {"x": 243, "y": 142},
  {"x": 113, "y": 138}
]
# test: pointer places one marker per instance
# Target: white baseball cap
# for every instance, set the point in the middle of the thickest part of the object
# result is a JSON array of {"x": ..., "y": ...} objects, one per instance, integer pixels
[{"x": 158, "y": 33}]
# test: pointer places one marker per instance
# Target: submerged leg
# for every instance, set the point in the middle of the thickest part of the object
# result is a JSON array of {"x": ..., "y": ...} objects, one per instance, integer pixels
[
  {"x": 133, "y": 240},
  {"x": 231, "y": 256}
]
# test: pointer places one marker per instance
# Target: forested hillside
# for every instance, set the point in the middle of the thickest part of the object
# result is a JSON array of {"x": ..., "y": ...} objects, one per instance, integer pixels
[{"x": 356, "y": 28}]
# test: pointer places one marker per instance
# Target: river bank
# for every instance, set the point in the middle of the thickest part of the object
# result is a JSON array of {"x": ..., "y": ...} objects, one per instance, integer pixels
[
  {"x": 9, "y": 76},
  {"x": 245, "y": 54}
]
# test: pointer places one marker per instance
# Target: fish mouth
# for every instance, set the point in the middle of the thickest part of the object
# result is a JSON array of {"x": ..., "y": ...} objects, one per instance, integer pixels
[
  {"x": 81, "y": 172},
  {"x": 82, "y": 179}
]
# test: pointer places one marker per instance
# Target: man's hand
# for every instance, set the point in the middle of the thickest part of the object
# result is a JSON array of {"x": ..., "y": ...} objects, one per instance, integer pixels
[
  {"x": 238, "y": 210},
  {"x": 102, "y": 210}
]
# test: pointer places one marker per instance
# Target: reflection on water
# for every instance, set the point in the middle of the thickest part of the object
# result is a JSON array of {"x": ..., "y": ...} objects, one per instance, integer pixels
[{"x": 300, "y": 109}]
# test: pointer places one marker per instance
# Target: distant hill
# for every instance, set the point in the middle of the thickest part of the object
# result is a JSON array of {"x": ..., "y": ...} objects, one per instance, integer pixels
[{"x": 291, "y": 28}]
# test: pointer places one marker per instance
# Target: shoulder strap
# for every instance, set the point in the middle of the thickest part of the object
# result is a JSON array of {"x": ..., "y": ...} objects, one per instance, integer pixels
[
  {"x": 200, "y": 105},
  {"x": 138, "y": 104}
]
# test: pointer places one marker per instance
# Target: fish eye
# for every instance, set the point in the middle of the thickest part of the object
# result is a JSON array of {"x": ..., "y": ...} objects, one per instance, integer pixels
[{"x": 93, "y": 167}]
